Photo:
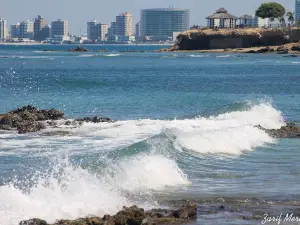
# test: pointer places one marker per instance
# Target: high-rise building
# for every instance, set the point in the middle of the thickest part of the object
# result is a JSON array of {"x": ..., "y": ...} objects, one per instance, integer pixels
[
  {"x": 26, "y": 29},
  {"x": 39, "y": 24},
  {"x": 45, "y": 33},
  {"x": 15, "y": 30},
  {"x": 297, "y": 10},
  {"x": 102, "y": 30},
  {"x": 160, "y": 24},
  {"x": 3, "y": 29},
  {"x": 124, "y": 25},
  {"x": 112, "y": 31},
  {"x": 137, "y": 30},
  {"x": 59, "y": 28},
  {"x": 92, "y": 30}
]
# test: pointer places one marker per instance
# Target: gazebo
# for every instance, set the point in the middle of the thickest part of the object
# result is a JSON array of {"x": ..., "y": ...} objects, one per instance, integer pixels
[
  {"x": 247, "y": 20},
  {"x": 221, "y": 19}
]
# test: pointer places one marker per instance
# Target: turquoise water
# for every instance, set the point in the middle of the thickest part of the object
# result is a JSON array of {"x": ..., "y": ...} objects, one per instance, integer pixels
[{"x": 185, "y": 129}]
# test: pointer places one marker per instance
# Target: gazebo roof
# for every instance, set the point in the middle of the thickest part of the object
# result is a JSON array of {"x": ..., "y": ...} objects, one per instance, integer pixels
[
  {"x": 221, "y": 14},
  {"x": 246, "y": 17}
]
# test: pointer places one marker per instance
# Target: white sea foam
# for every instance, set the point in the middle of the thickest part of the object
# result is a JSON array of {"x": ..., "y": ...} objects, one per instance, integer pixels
[
  {"x": 199, "y": 56},
  {"x": 113, "y": 55},
  {"x": 86, "y": 55},
  {"x": 230, "y": 133},
  {"x": 79, "y": 193},
  {"x": 223, "y": 56}
]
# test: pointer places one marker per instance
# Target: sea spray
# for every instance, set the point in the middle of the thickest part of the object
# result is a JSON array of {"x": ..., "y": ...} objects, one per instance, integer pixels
[{"x": 69, "y": 192}]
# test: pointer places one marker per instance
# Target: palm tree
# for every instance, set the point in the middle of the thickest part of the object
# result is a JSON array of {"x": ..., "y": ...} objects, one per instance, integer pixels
[{"x": 291, "y": 17}]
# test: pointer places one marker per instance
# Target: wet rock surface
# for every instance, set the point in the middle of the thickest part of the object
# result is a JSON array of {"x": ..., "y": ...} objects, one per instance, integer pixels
[
  {"x": 133, "y": 216},
  {"x": 78, "y": 49},
  {"x": 240, "y": 210},
  {"x": 29, "y": 119},
  {"x": 95, "y": 119},
  {"x": 291, "y": 130}
]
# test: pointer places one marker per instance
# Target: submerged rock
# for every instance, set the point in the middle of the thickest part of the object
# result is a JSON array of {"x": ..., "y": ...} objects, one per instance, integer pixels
[
  {"x": 33, "y": 222},
  {"x": 133, "y": 216},
  {"x": 291, "y": 130},
  {"x": 29, "y": 127},
  {"x": 95, "y": 119},
  {"x": 78, "y": 49}
]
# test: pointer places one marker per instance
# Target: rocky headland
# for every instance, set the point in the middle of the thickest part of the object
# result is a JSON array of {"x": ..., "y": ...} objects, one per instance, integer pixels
[{"x": 251, "y": 40}]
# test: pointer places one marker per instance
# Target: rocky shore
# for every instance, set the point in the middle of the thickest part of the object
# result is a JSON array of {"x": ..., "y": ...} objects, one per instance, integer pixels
[
  {"x": 292, "y": 48},
  {"x": 133, "y": 215},
  {"x": 239, "y": 210},
  {"x": 29, "y": 119},
  {"x": 248, "y": 40}
]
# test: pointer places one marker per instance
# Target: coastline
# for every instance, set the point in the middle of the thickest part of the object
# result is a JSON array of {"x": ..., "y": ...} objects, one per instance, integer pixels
[{"x": 275, "y": 49}]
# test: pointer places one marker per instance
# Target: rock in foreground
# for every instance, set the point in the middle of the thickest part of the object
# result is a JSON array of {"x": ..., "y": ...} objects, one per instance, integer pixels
[
  {"x": 291, "y": 130},
  {"x": 28, "y": 119},
  {"x": 132, "y": 216}
]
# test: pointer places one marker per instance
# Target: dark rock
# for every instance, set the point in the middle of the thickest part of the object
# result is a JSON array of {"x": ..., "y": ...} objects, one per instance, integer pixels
[
  {"x": 29, "y": 127},
  {"x": 282, "y": 50},
  {"x": 291, "y": 130},
  {"x": 68, "y": 123},
  {"x": 11, "y": 120},
  {"x": 25, "y": 119},
  {"x": 222, "y": 207},
  {"x": 296, "y": 48},
  {"x": 252, "y": 51},
  {"x": 264, "y": 50},
  {"x": 131, "y": 216},
  {"x": 5, "y": 127},
  {"x": 33, "y": 222},
  {"x": 187, "y": 211},
  {"x": 52, "y": 114},
  {"x": 78, "y": 49},
  {"x": 28, "y": 108},
  {"x": 96, "y": 119},
  {"x": 134, "y": 216}
]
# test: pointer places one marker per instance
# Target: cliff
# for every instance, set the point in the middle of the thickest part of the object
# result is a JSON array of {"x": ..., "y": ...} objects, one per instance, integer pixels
[{"x": 206, "y": 39}]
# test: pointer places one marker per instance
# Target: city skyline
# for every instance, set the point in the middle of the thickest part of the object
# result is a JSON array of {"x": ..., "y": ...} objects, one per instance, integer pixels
[{"x": 78, "y": 15}]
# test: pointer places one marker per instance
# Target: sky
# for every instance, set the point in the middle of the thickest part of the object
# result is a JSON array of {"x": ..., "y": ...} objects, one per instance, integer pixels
[{"x": 105, "y": 11}]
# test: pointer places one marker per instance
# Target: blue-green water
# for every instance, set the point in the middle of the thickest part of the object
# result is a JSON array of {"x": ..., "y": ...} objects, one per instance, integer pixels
[{"x": 185, "y": 129}]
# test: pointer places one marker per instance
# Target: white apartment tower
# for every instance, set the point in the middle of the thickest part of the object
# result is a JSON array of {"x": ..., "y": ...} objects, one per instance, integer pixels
[
  {"x": 124, "y": 25},
  {"x": 3, "y": 29},
  {"x": 26, "y": 29},
  {"x": 59, "y": 28},
  {"x": 102, "y": 30}
]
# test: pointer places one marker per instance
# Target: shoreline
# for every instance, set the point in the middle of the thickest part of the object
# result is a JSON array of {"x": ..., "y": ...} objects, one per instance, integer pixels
[{"x": 290, "y": 48}]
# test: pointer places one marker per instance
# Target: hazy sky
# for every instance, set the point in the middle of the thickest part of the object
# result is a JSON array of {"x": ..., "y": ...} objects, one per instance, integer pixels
[{"x": 78, "y": 12}]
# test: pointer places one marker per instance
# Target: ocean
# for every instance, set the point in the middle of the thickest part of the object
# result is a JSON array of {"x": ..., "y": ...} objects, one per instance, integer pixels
[{"x": 184, "y": 130}]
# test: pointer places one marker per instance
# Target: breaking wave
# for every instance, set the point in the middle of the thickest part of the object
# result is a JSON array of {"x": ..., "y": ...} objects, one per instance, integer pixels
[{"x": 144, "y": 160}]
